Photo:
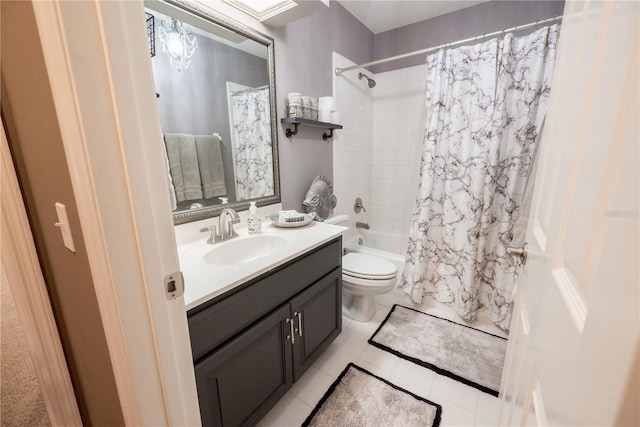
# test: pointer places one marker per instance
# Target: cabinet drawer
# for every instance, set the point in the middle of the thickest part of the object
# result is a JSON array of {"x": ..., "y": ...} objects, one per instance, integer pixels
[{"x": 223, "y": 318}]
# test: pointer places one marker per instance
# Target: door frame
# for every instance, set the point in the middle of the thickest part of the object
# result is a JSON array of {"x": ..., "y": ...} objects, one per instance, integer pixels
[{"x": 104, "y": 100}]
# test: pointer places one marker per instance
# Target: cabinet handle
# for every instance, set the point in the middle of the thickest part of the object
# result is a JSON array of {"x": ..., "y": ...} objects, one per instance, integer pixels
[
  {"x": 291, "y": 333},
  {"x": 299, "y": 322}
]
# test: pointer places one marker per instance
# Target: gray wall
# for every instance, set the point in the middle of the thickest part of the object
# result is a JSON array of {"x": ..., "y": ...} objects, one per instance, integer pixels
[
  {"x": 194, "y": 100},
  {"x": 473, "y": 21},
  {"x": 303, "y": 61}
]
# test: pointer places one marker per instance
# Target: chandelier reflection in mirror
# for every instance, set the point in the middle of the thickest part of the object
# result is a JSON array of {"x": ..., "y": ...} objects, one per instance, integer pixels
[{"x": 178, "y": 42}]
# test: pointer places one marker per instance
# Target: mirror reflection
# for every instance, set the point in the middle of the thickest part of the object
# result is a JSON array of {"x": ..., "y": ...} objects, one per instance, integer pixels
[{"x": 215, "y": 104}]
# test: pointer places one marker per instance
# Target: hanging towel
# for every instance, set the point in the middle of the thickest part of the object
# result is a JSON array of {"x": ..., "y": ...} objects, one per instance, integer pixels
[
  {"x": 210, "y": 163},
  {"x": 183, "y": 164},
  {"x": 172, "y": 190}
]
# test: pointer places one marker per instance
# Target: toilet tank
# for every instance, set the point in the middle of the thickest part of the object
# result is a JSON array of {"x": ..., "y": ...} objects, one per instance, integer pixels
[{"x": 342, "y": 220}]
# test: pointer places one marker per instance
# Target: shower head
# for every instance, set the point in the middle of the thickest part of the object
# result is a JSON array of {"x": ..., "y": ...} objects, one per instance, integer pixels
[{"x": 370, "y": 82}]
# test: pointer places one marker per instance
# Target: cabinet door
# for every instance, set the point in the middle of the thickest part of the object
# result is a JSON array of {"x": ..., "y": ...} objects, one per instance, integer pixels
[
  {"x": 317, "y": 315},
  {"x": 240, "y": 382}
]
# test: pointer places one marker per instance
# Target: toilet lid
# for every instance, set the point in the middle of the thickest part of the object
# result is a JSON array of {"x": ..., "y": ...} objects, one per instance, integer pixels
[{"x": 367, "y": 266}]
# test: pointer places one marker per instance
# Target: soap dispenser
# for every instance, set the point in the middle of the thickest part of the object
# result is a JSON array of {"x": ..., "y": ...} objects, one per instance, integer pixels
[{"x": 254, "y": 223}]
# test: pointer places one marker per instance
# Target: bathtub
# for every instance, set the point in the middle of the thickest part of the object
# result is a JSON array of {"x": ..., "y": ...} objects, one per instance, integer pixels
[{"x": 385, "y": 245}]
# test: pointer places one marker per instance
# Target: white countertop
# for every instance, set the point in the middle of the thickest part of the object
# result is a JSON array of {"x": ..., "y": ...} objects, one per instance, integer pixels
[{"x": 203, "y": 281}]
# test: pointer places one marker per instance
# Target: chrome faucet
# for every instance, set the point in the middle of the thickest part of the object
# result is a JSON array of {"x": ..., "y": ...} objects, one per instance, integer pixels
[
  {"x": 357, "y": 206},
  {"x": 362, "y": 225},
  {"x": 225, "y": 229}
]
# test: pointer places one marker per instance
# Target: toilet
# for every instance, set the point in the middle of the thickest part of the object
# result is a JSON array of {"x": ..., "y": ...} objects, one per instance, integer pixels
[{"x": 363, "y": 277}]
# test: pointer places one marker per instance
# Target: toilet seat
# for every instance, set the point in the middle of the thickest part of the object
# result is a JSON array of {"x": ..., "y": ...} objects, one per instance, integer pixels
[{"x": 368, "y": 267}]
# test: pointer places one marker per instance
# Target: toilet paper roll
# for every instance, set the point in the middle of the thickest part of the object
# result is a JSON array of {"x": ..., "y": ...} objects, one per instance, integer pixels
[
  {"x": 327, "y": 103},
  {"x": 324, "y": 115},
  {"x": 335, "y": 117}
]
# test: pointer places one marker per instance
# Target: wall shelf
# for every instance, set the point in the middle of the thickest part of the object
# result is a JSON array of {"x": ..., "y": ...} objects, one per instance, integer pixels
[{"x": 295, "y": 121}]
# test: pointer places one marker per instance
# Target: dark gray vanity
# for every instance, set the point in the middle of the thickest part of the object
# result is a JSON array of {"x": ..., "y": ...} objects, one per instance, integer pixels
[{"x": 252, "y": 343}]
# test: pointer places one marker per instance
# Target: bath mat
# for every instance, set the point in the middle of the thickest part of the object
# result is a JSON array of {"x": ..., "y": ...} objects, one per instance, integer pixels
[
  {"x": 359, "y": 398},
  {"x": 465, "y": 354}
]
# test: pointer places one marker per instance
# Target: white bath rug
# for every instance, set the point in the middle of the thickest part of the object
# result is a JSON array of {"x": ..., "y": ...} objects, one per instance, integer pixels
[
  {"x": 360, "y": 399},
  {"x": 468, "y": 355}
]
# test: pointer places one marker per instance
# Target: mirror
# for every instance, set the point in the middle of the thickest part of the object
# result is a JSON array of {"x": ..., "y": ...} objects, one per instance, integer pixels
[{"x": 215, "y": 89}]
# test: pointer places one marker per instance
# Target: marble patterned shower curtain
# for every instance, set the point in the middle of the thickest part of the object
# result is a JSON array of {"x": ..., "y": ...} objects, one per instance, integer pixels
[
  {"x": 485, "y": 106},
  {"x": 252, "y": 143}
]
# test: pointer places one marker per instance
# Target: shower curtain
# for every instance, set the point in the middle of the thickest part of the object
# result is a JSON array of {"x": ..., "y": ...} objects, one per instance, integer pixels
[
  {"x": 485, "y": 106},
  {"x": 252, "y": 143}
]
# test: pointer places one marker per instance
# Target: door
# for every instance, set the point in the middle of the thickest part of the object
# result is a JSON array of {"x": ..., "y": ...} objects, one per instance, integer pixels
[
  {"x": 101, "y": 87},
  {"x": 317, "y": 317},
  {"x": 32, "y": 304},
  {"x": 239, "y": 383},
  {"x": 574, "y": 335}
]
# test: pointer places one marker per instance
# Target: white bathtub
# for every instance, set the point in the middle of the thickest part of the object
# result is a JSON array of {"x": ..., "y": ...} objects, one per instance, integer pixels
[{"x": 386, "y": 245}]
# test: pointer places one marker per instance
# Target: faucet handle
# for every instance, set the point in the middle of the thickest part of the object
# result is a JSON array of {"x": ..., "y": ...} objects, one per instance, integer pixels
[{"x": 213, "y": 237}]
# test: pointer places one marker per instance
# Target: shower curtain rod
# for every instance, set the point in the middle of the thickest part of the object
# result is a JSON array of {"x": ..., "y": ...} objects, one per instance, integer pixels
[{"x": 339, "y": 71}]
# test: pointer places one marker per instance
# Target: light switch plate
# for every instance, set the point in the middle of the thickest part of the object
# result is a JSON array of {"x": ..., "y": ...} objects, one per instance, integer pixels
[{"x": 65, "y": 229}]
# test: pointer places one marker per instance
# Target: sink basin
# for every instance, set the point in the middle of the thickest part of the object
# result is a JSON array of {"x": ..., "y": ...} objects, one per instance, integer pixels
[{"x": 243, "y": 250}]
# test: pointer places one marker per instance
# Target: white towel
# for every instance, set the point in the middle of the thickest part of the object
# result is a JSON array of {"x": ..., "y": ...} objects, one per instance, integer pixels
[
  {"x": 210, "y": 163},
  {"x": 183, "y": 164}
]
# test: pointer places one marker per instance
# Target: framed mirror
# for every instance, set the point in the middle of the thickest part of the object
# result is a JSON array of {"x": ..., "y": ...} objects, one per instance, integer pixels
[{"x": 215, "y": 89}]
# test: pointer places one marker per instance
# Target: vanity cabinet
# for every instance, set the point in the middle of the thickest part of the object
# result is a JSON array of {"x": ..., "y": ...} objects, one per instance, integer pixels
[{"x": 251, "y": 345}]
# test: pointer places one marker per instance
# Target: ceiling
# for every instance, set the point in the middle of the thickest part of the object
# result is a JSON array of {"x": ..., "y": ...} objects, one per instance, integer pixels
[{"x": 384, "y": 15}]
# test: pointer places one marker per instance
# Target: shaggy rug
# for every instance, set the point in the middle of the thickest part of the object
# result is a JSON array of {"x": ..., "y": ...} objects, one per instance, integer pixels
[
  {"x": 21, "y": 402},
  {"x": 465, "y": 354},
  {"x": 359, "y": 398}
]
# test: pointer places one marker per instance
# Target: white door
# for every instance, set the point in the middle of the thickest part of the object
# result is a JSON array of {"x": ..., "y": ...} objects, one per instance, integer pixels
[
  {"x": 574, "y": 335},
  {"x": 25, "y": 279},
  {"x": 103, "y": 91}
]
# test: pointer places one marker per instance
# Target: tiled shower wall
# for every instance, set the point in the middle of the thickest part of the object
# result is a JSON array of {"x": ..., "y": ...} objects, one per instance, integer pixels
[
  {"x": 377, "y": 154},
  {"x": 398, "y": 127},
  {"x": 352, "y": 146}
]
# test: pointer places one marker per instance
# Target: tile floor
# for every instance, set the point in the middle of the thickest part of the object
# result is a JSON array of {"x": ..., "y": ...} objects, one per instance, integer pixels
[{"x": 461, "y": 405}]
